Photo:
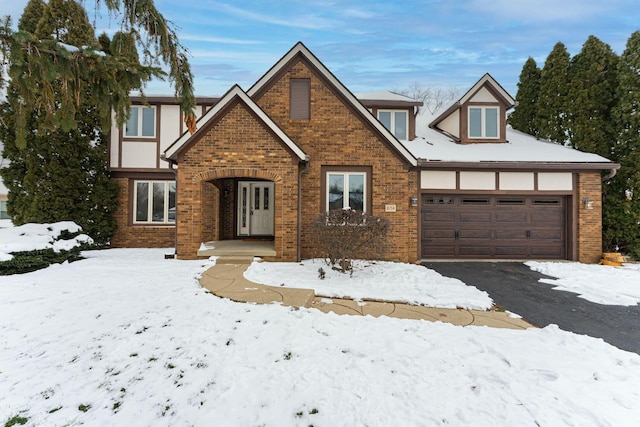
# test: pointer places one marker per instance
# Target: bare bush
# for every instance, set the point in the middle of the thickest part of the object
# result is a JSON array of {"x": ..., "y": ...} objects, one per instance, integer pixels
[
  {"x": 345, "y": 234},
  {"x": 434, "y": 98}
]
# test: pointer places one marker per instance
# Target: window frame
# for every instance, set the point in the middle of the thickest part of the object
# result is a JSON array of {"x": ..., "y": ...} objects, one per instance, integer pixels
[
  {"x": 140, "y": 117},
  {"x": 393, "y": 122},
  {"x": 483, "y": 121},
  {"x": 346, "y": 173},
  {"x": 166, "y": 219}
]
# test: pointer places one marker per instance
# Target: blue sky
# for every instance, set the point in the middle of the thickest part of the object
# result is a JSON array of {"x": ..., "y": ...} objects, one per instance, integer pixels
[{"x": 375, "y": 45}]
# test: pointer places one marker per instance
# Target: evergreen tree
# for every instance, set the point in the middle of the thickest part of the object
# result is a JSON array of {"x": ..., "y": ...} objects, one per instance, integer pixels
[
  {"x": 524, "y": 116},
  {"x": 552, "y": 101},
  {"x": 35, "y": 62},
  {"x": 621, "y": 210},
  {"x": 32, "y": 13},
  {"x": 61, "y": 173},
  {"x": 591, "y": 96}
]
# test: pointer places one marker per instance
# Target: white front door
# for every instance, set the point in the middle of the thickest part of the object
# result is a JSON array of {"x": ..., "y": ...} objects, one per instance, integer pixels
[{"x": 255, "y": 208}]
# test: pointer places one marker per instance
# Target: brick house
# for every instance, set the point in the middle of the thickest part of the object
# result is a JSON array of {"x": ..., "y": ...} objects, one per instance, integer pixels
[{"x": 264, "y": 162}]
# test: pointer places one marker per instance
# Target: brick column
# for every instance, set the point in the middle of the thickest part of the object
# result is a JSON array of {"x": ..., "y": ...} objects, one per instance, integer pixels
[{"x": 589, "y": 220}]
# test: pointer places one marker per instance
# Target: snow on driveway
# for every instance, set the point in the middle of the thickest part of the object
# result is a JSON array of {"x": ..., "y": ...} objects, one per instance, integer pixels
[
  {"x": 126, "y": 337},
  {"x": 601, "y": 284}
]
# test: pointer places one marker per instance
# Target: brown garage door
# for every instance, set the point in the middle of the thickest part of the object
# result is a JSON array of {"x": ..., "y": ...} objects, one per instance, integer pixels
[{"x": 478, "y": 226}]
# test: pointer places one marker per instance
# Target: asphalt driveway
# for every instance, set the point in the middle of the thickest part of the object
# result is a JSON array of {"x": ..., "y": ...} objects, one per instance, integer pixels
[{"x": 515, "y": 287}]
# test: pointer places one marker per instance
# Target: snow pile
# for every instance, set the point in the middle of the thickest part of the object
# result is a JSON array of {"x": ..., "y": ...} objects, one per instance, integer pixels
[
  {"x": 30, "y": 237},
  {"x": 126, "y": 337},
  {"x": 596, "y": 283},
  {"x": 389, "y": 281}
]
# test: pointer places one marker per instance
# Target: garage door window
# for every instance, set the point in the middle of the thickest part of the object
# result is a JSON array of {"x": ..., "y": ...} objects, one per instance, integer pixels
[
  {"x": 510, "y": 202},
  {"x": 475, "y": 201},
  {"x": 439, "y": 200},
  {"x": 546, "y": 202}
]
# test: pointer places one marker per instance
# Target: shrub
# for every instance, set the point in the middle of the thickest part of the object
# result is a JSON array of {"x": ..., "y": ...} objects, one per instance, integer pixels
[
  {"x": 31, "y": 247},
  {"x": 345, "y": 234},
  {"x": 25, "y": 262}
]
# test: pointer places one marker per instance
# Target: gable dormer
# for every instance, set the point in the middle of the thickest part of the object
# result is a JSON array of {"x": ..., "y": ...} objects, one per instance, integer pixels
[
  {"x": 396, "y": 112},
  {"x": 479, "y": 116}
]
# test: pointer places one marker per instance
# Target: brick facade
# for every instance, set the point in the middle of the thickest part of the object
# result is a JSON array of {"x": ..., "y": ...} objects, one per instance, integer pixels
[
  {"x": 589, "y": 238},
  {"x": 128, "y": 235},
  {"x": 237, "y": 145},
  {"x": 335, "y": 135}
]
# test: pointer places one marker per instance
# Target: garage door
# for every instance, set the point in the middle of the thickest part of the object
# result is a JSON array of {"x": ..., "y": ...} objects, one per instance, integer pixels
[{"x": 478, "y": 226}]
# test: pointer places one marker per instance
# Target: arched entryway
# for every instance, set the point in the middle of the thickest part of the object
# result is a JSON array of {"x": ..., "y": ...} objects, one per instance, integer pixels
[{"x": 238, "y": 212}]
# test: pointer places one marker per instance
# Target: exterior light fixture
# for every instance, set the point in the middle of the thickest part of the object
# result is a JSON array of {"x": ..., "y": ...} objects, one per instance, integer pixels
[
  {"x": 587, "y": 203},
  {"x": 413, "y": 201}
]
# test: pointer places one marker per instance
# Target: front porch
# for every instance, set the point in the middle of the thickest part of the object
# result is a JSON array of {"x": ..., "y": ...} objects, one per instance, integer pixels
[{"x": 247, "y": 247}]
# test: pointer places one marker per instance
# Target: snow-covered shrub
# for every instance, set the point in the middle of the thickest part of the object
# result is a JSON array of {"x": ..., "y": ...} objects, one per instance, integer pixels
[{"x": 31, "y": 247}]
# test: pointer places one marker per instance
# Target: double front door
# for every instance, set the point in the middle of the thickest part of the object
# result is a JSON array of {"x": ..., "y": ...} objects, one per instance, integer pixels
[{"x": 255, "y": 208}]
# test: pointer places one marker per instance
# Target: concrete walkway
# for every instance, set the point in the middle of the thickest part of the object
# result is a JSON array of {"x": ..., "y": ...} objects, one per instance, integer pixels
[{"x": 226, "y": 280}]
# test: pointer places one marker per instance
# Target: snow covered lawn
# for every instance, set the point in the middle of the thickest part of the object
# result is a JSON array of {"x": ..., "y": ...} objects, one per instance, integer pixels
[
  {"x": 128, "y": 338},
  {"x": 596, "y": 283},
  {"x": 390, "y": 281}
]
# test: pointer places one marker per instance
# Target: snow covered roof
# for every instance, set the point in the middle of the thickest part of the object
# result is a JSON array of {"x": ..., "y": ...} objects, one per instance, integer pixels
[
  {"x": 432, "y": 145},
  {"x": 384, "y": 95}
]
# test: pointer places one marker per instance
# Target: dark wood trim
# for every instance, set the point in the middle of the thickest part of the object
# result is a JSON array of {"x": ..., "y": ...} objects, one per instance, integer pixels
[
  {"x": 120, "y": 138},
  {"x": 385, "y": 103},
  {"x": 167, "y": 175},
  {"x": 574, "y": 216},
  {"x": 418, "y": 220},
  {"x": 500, "y": 192},
  {"x": 171, "y": 100},
  {"x": 158, "y": 120},
  {"x": 518, "y": 166}
]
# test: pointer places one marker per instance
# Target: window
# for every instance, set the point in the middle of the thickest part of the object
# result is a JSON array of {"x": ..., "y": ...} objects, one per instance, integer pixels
[
  {"x": 483, "y": 122},
  {"x": 155, "y": 202},
  {"x": 300, "y": 99},
  {"x": 3, "y": 210},
  {"x": 437, "y": 200},
  {"x": 474, "y": 201},
  {"x": 141, "y": 123},
  {"x": 397, "y": 122},
  {"x": 346, "y": 190}
]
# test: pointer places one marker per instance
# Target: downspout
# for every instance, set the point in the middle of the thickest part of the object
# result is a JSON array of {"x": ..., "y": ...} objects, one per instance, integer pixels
[
  {"x": 611, "y": 174},
  {"x": 300, "y": 172},
  {"x": 175, "y": 227}
]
